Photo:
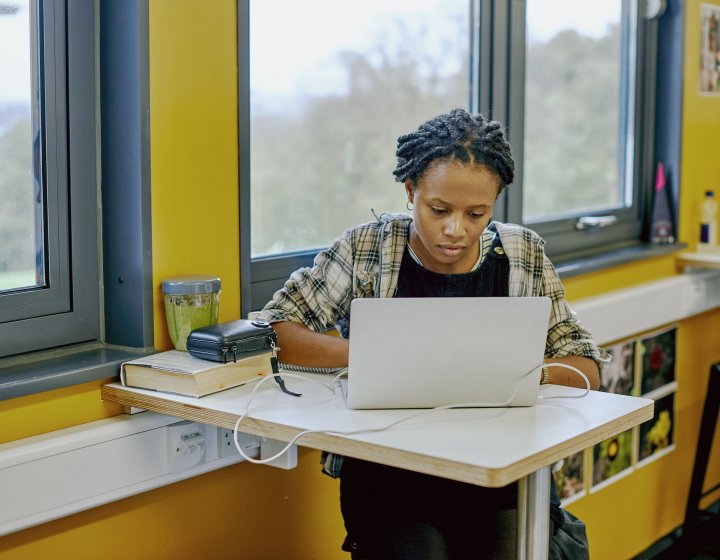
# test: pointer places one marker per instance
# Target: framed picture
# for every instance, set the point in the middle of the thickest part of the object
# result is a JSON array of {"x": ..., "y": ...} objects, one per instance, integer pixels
[
  {"x": 657, "y": 353},
  {"x": 709, "y": 81},
  {"x": 570, "y": 477},
  {"x": 612, "y": 457},
  {"x": 619, "y": 376},
  {"x": 657, "y": 435}
]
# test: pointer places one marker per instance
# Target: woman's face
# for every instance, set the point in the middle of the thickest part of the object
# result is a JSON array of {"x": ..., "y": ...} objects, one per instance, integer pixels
[{"x": 453, "y": 204}]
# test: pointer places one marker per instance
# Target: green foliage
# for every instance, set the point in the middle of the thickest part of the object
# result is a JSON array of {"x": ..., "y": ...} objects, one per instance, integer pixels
[
  {"x": 322, "y": 170},
  {"x": 321, "y": 166},
  {"x": 17, "y": 225},
  {"x": 572, "y": 124}
]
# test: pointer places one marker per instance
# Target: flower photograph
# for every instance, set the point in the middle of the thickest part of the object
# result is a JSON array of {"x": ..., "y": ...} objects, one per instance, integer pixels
[
  {"x": 658, "y": 360},
  {"x": 569, "y": 478},
  {"x": 619, "y": 376},
  {"x": 611, "y": 457},
  {"x": 657, "y": 434}
]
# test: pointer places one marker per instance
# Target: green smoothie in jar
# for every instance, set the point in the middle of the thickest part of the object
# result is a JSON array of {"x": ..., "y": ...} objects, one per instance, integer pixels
[{"x": 191, "y": 302}]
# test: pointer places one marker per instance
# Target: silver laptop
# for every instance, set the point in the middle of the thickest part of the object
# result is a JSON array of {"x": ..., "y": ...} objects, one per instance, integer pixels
[{"x": 429, "y": 352}]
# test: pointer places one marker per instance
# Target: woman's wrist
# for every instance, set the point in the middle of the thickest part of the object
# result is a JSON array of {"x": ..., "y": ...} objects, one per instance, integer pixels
[{"x": 544, "y": 374}]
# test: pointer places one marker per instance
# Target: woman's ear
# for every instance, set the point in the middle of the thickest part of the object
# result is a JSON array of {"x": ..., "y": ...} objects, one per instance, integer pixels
[{"x": 410, "y": 190}]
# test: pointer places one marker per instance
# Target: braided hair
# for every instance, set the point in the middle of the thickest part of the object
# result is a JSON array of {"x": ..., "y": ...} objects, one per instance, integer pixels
[{"x": 456, "y": 135}]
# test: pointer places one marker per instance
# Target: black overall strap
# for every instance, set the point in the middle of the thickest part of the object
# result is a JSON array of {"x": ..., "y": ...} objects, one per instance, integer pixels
[{"x": 491, "y": 279}]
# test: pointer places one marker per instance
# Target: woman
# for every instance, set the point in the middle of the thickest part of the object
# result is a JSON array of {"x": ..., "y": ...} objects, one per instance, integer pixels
[{"x": 453, "y": 167}]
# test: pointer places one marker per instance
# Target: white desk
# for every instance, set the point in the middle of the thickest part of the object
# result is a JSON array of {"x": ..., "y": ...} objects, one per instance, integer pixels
[
  {"x": 698, "y": 260},
  {"x": 489, "y": 447}
]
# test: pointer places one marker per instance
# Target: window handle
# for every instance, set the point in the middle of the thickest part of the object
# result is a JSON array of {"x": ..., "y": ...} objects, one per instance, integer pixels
[{"x": 594, "y": 222}]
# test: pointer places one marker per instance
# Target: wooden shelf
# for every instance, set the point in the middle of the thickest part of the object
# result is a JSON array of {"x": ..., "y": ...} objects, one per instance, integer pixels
[{"x": 698, "y": 260}]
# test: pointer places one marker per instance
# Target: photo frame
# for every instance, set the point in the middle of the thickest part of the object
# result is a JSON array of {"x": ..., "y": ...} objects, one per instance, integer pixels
[
  {"x": 570, "y": 477},
  {"x": 657, "y": 436},
  {"x": 612, "y": 458},
  {"x": 657, "y": 359},
  {"x": 709, "y": 76},
  {"x": 619, "y": 376}
]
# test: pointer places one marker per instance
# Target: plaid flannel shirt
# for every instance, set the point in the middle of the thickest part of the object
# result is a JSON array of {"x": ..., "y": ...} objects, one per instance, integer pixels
[{"x": 365, "y": 262}]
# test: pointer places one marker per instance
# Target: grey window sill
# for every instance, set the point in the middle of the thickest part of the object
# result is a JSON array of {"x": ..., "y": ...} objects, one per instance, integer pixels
[
  {"x": 567, "y": 268},
  {"x": 44, "y": 372}
]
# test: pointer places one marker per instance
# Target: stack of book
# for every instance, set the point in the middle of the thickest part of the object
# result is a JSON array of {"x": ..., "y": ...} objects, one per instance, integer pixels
[{"x": 180, "y": 373}]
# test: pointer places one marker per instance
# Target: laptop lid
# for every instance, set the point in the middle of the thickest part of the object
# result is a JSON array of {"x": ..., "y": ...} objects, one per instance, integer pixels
[{"x": 429, "y": 352}]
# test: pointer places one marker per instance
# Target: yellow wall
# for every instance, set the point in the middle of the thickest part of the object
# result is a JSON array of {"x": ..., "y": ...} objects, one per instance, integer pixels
[
  {"x": 193, "y": 130},
  {"x": 701, "y": 131},
  {"x": 627, "y": 516},
  {"x": 254, "y": 512}
]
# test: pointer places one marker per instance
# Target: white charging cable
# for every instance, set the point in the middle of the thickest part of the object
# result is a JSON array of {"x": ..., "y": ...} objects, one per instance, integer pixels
[
  {"x": 423, "y": 412},
  {"x": 284, "y": 450},
  {"x": 576, "y": 370}
]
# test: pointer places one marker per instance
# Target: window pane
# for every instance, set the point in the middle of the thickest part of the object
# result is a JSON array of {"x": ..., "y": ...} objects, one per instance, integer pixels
[
  {"x": 333, "y": 84},
  {"x": 21, "y": 193},
  {"x": 576, "y": 108}
]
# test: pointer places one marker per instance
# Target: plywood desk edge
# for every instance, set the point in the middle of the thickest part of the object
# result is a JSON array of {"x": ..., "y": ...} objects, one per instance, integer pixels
[
  {"x": 698, "y": 260},
  {"x": 490, "y": 477}
]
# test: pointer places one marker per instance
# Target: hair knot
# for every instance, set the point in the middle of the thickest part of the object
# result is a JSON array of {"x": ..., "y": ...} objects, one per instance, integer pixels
[{"x": 455, "y": 135}]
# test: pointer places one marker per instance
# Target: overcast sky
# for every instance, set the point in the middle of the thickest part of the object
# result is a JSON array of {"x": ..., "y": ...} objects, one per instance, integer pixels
[
  {"x": 14, "y": 52},
  {"x": 301, "y": 38},
  {"x": 308, "y": 63}
]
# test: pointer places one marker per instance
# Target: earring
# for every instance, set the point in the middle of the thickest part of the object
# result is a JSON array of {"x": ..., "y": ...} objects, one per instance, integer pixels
[{"x": 407, "y": 205}]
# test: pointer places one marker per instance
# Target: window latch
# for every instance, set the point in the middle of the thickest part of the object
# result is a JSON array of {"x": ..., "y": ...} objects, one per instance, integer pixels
[{"x": 595, "y": 222}]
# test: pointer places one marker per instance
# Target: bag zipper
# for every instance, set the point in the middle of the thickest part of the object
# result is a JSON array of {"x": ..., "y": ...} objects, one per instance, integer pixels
[
  {"x": 226, "y": 351},
  {"x": 215, "y": 344}
]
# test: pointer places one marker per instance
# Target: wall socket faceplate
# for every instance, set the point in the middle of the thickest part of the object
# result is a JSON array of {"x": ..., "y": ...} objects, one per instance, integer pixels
[
  {"x": 186, "y": 445},
  {"x": 254, "y": 446},
  {"x": 226, "y": 446}
]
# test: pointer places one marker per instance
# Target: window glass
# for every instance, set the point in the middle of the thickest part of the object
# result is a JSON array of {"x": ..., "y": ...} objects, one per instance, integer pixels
[
  {"x": 332, "y": 86},
  {"x": 578, "y": 136},
  {"x": 21, "y": 193},
  {"x": 48, "y": 168}
]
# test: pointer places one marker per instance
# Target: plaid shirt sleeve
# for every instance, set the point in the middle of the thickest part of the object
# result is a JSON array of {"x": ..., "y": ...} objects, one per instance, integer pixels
[
  {"x": 316, "y": 296},
  {"x": 566, "y": 335},
  {"x": 363, "y": 262}
]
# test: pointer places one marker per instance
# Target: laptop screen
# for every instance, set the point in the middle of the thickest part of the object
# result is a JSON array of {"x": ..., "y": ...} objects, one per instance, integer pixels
[{"x": 429, "y": 352}]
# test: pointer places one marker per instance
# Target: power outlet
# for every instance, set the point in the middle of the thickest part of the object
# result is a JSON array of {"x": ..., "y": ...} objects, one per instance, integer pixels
[
  {"x": 226, "y": 446},
  {"x": 186, "y": 445}
]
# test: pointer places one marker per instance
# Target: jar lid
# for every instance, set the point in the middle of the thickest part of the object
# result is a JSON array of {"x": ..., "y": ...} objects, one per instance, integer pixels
[{"x": 191, "y": 284}]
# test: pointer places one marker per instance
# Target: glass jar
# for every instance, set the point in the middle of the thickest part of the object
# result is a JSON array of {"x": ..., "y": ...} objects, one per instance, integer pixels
[{"x": 191, "y": 302}]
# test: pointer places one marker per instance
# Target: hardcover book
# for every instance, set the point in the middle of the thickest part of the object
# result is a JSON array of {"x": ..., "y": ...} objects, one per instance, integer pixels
[{"x": 180, "y": 373}]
